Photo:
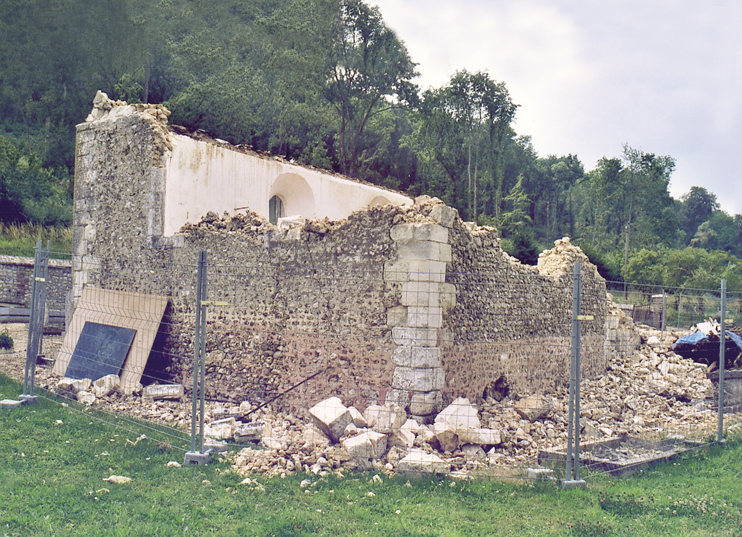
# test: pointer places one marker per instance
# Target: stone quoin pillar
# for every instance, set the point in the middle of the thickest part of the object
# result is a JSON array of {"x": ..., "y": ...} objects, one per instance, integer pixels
[{"x": 424, "y": 253}]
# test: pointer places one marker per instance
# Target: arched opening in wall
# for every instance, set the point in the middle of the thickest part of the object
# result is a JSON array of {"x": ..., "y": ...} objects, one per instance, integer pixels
[
  {"x": 275, "y": 210},
  {"x": 379, "y": 201},
  {"x": 295, "y": 195}
]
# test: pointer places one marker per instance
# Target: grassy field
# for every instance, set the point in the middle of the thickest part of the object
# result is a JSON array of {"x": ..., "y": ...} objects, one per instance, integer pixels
[{"x": 54, "y": 460}]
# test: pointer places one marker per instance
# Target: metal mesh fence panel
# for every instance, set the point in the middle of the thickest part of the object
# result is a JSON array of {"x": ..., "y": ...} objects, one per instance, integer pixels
[{"x": 323, "y": 367}]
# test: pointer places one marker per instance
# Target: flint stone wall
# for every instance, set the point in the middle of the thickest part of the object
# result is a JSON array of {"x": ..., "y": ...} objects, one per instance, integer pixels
[
  {"x": 511, "y": 325},
  {"x": 16, "y": 281},
  {"x": 387, "y": 304}
]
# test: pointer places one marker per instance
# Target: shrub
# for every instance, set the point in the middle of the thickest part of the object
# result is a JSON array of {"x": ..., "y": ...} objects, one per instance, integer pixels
[{"x": 6, "y": 342}]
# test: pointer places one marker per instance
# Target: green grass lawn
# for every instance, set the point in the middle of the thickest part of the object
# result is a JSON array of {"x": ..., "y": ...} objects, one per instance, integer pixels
[{"x": 54, "y": 459}]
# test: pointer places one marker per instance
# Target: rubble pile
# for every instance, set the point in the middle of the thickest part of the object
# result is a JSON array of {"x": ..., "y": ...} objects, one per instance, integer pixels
[{"x": 653, "y": 392}]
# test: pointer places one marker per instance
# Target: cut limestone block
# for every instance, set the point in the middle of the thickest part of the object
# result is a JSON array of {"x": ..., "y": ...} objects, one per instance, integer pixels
[
  {"x": 249, "y": 432},
  {"x": 403, "y": 438},
  {"x": 314, "y": 438},
  {"x": 419, "y": 461},
  {"x": 425, "y": 403},
  {"x": 358, "y": 419},
  {"x": 163, "y": 391},
  {"x": 386, "y": 418},
  {"x": 446, "y": 436},
  {"x": 331, "y": 417},
  {"x": 106, "y": 385},
  {"x": 367, "y": 446},
  {"x": 220, "y": 429},
  {"x": 459, "y": 416},
  {"x": 418, "y": 380},
  {"x": 533, "y": 407},
  {"x": 85, "y": 397},
  {"x": 482, "y": 437}
]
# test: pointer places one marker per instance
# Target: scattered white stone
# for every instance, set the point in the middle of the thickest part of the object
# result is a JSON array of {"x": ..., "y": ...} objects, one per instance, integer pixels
[
  {"x": 533, "y": 407},
  {"x": 86, "y": 397},
  {"x": 118, "y": 479},
  {"x": 173, "y": 464},
  {"x": 164, "y": 391},
  {"x": 106, "y": 385}
]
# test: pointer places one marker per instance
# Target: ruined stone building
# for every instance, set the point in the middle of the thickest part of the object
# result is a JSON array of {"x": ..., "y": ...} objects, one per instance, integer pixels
[{"x": 390, "y": 299}]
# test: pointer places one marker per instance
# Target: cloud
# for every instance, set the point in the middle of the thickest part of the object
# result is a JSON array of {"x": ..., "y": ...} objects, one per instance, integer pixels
[{"x": 664, "y": 76}]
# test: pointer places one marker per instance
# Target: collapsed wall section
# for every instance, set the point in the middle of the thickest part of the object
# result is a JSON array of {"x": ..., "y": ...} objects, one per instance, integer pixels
[
  {"x": 510, "y": 329},
  {"x": 402, "y": 304}
]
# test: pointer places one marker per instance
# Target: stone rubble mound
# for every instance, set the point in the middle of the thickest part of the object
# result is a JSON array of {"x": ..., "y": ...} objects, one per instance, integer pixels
[{"x": 650, "y": 393}]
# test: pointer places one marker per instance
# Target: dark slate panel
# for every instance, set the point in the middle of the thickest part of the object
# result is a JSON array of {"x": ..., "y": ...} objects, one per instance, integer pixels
[{"x": 100, "y": 351}]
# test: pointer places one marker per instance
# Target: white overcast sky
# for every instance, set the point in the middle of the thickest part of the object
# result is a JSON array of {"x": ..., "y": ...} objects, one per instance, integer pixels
[{"x": 664, "y": 76}]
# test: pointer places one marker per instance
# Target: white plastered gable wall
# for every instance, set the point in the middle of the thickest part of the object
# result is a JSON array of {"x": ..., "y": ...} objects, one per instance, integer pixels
[{"x": 202, "y": 176}]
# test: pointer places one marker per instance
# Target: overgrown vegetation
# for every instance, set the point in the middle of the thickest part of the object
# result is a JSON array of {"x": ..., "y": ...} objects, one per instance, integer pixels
[
  {"x": 326, "y": 83},
  {"x": 55, "y": 459},
  {"x": 21, "y": 239}
]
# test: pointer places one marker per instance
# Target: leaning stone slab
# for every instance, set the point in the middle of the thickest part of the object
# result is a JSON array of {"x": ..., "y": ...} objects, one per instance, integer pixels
[
  {"x": 10, "y": 402},
  {"x": 386, "y": 418},
  {"x": 422, "y": 462},
  {"x": 459, "y": 416},
  {"x": 163, "y": 391},
  {"x": 367, "y": 446},
  {"x": 331, "y": 417}
]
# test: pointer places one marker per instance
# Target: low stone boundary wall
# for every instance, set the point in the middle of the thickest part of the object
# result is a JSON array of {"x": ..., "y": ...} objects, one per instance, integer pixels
[{"x": 16, "y": 274}]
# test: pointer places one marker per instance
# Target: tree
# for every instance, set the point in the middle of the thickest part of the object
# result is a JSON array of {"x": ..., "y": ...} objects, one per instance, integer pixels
[
  {"x": 370, "y": 71},
  {"x": 696, "y": 207},
  {"x": 465, "y": 127},
  {"x": 626, "y": 202},
  {"x": 719, "y": 232}
]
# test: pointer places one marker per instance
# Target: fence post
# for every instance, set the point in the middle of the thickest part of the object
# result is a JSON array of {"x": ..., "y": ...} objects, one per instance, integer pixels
[
  {"x": 199, "y": 368},
  {"x": 35, "y": 320},
  {"x": 572, "y": 477},
  {"x": 722, "y": 359}
]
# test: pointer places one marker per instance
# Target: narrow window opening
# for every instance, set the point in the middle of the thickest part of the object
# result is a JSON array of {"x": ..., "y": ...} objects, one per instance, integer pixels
[{"x": 275, "y": 210}]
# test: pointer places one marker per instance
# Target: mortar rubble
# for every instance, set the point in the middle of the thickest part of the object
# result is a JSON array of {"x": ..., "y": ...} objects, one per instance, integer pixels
[{"x": 652, "y": 392}]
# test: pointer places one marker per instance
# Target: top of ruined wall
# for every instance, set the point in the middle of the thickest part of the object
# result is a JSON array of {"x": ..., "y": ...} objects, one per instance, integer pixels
[{"x": 203, "y": 174}]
